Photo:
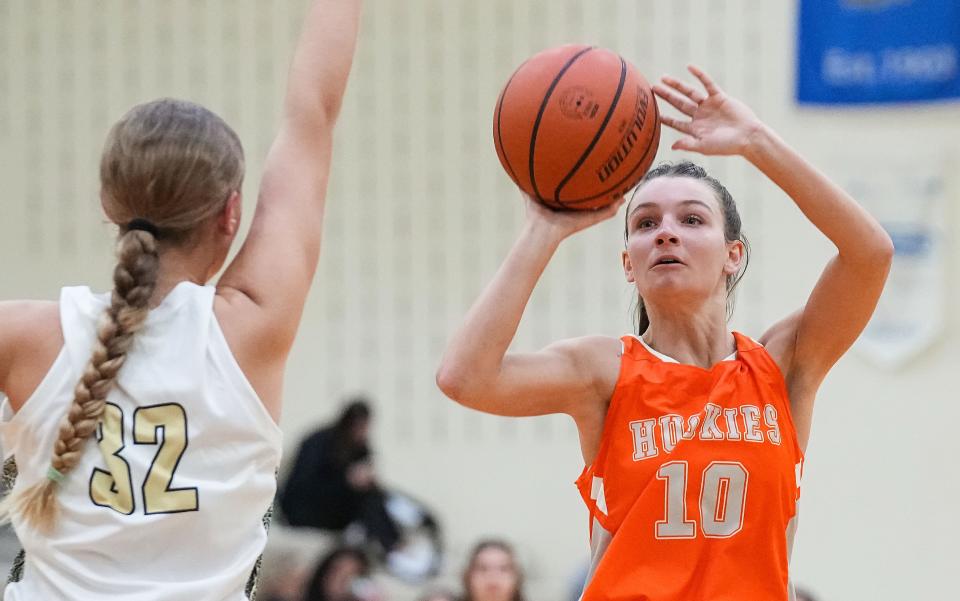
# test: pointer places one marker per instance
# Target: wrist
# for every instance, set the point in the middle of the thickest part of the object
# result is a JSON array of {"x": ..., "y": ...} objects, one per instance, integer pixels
[
  {"x": 759, "y": 140},
  {"x": 543, "y": 233}
]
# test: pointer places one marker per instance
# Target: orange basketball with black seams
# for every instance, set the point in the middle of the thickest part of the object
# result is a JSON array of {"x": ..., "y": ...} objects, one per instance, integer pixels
[{"x": 576, "y": 126}]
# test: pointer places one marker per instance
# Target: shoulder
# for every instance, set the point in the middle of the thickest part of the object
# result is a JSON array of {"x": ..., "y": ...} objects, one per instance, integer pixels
[
  {"x": 24, "y": 310},
  {"x": 258, "y": 343},
  {"x": 596, "y": 358},
  {"x": 588, "y": 346},
  {"x": 780, "y": 341},
  {"x": 590, "y": 353},
  {"x": 244, "y": 320},
  {"x": 30, "y": 339},
  {"x": 27, "y": 322}
]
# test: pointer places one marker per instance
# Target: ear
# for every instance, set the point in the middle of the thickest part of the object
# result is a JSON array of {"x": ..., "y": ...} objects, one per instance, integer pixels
[
  {"x": 228, "y": 223},
  {"x": 736, "y": 252},
  {"x": 627, "y": 266},
  {"x": 104, "y": 206}
]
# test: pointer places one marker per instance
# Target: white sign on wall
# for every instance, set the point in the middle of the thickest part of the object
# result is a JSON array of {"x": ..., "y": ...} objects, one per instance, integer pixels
[{"x": 908, "y": 197}]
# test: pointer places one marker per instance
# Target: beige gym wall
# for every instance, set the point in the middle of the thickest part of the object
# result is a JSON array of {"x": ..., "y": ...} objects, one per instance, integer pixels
[{"x": 420, "y": 214}]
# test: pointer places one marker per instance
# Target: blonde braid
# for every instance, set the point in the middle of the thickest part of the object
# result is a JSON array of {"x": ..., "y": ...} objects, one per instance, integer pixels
[{"x": 134, "y": 280}]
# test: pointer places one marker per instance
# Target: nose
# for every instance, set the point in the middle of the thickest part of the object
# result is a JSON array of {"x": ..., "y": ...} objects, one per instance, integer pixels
[{"x": 665, "y": 235}]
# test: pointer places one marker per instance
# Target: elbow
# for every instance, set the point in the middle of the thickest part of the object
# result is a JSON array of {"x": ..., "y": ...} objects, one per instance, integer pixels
[
  {"x": 450, "y": 382},
  {"x": 888, "y": 248},
  {"x": 330, "y": 105},
  {"x": 885, "y": 249},
  {"x": 313, "y": 112},
  {"x": 459, "y": 385},
  {"x": 874, "y": 253}
]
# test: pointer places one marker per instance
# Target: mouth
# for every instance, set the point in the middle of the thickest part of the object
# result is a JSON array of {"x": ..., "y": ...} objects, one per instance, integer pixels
[{"x": 666, "y": 260}]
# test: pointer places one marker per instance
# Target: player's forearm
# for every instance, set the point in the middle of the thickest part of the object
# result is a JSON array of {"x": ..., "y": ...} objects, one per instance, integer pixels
[
  {"x": 856, "y": 234},
  {"x": 321, "y": 62},
  {"x": 475, "y": 354}
]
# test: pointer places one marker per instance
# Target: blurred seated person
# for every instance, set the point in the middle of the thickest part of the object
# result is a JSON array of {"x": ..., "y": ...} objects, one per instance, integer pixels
[
  {"x": 333, "y": 486},
  {"x": 283, "y": 575},
  {"x": 343, "y": 574},
  {"x": 438, "y": 594},
  {"x": 492, "y": 573}
]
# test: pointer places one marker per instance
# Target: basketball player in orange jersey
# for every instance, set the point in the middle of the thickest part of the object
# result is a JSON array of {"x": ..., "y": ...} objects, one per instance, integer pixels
[
  {"x": 692, "y": 435},
  {"x": 144, "y": 422}
]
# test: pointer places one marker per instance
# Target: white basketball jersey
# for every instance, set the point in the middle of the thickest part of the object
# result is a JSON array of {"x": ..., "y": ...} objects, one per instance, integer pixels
[{"x": 167, "y": 502}]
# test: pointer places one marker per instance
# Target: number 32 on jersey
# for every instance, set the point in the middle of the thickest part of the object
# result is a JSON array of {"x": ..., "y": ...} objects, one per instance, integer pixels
[{"x": 164, "y": 425}]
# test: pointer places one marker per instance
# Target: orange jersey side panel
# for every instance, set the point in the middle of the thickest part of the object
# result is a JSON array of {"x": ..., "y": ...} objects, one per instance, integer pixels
[{"x": 695, "y": 481}]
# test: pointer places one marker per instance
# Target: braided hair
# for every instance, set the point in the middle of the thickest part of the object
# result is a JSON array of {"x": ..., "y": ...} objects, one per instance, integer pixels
[
  {"x": 168, "y": 166},
  {"x": 133, "y": 282}
]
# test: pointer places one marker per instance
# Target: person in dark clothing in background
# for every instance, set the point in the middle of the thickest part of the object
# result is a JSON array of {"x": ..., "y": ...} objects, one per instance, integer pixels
[
  {"x": 333, "y": 485},
  {"x": 343, "y": 574}
]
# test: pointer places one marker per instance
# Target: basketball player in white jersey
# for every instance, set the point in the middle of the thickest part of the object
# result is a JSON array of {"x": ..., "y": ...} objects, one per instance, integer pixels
[{"x": 144, "y": 422}]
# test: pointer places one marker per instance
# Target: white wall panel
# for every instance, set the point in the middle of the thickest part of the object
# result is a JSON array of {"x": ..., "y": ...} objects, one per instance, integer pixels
[{"x": 420, "y": 215}]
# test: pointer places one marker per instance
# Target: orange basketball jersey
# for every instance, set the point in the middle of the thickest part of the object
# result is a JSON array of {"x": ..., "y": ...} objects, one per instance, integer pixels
[{"x": 696, "y": 481}]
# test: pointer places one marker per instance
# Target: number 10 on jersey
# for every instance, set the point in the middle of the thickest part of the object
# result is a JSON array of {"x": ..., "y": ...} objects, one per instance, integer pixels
[{"x": 723, "y": 493}]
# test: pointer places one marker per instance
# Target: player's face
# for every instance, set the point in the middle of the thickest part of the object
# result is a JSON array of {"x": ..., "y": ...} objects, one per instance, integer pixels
[
  {"x": 493, "y": 576},
  {"x": 676, "y": 247}
]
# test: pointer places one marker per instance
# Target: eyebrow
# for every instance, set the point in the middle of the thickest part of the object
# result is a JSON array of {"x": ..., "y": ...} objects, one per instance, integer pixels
[{"x": 689, "y": 201}]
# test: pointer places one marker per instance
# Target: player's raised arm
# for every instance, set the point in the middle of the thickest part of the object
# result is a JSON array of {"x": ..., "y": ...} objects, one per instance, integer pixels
[
  {"x": 476, "y": 369},
  {"x": 276, "y": 263},
  {"x": 809, "y": 342},
  {"x": 849, "y": 287}
]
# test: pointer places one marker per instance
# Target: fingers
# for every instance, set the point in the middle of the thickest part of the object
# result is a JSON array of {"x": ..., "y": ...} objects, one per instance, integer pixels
[
  {"x": 687, "y": 90},
  {"x": 604, "y": 213},
  {"x": 686, "y": 143},
  {"x": 681, "y": 103},
  {"x": 683, "y": 127},
  {"x": 708, "y": 84}
]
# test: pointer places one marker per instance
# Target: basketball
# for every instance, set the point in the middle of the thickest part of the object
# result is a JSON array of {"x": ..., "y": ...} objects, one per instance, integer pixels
[{"x": 576, "y": 127}]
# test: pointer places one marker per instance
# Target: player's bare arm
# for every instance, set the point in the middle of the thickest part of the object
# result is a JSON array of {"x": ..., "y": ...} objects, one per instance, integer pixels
[
  {"x": 566, "y": 377},
  {"x": 807, "y": 344},
  {"x": 849, "y": 287},
  {"x": 262, "y": 293},
  {"x": 30, "y": 339}
]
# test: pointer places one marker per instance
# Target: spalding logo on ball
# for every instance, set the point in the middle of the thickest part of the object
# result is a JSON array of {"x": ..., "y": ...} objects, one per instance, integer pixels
[{"x": 576, "y": 127}]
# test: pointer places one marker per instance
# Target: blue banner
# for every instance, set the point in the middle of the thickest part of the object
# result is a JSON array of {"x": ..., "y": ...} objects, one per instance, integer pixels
[{"x": 876, "y": 51}]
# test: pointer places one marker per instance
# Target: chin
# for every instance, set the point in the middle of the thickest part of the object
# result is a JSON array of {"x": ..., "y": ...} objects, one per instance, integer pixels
[
  {"x": 672, "y": 291},
  {"x": 667, "y": 284}
]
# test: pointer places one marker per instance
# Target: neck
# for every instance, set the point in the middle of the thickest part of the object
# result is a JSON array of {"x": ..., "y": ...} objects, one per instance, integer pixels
[
  {"x": 179, "y": 265},
  {"x": 694, "y": 334}
]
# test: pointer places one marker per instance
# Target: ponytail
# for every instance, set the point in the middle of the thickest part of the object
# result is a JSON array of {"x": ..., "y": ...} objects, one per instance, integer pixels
[{"x": 134, "y": 280}]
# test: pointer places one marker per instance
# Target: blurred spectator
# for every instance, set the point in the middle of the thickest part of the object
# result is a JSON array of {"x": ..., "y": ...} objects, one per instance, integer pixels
[
  {"x": 333, "y": 486},
  {"x": 438, "y": 594},
  {"x": 333, "y": 483},
  {"x": 343, "y": 574},
  {"x": 283, "y": 577},
  {"x": 492, "y": 573}
]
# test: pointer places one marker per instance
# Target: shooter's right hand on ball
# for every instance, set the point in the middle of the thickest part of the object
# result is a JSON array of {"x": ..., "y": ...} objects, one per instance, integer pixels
[{"x": 561, "y": 224}]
